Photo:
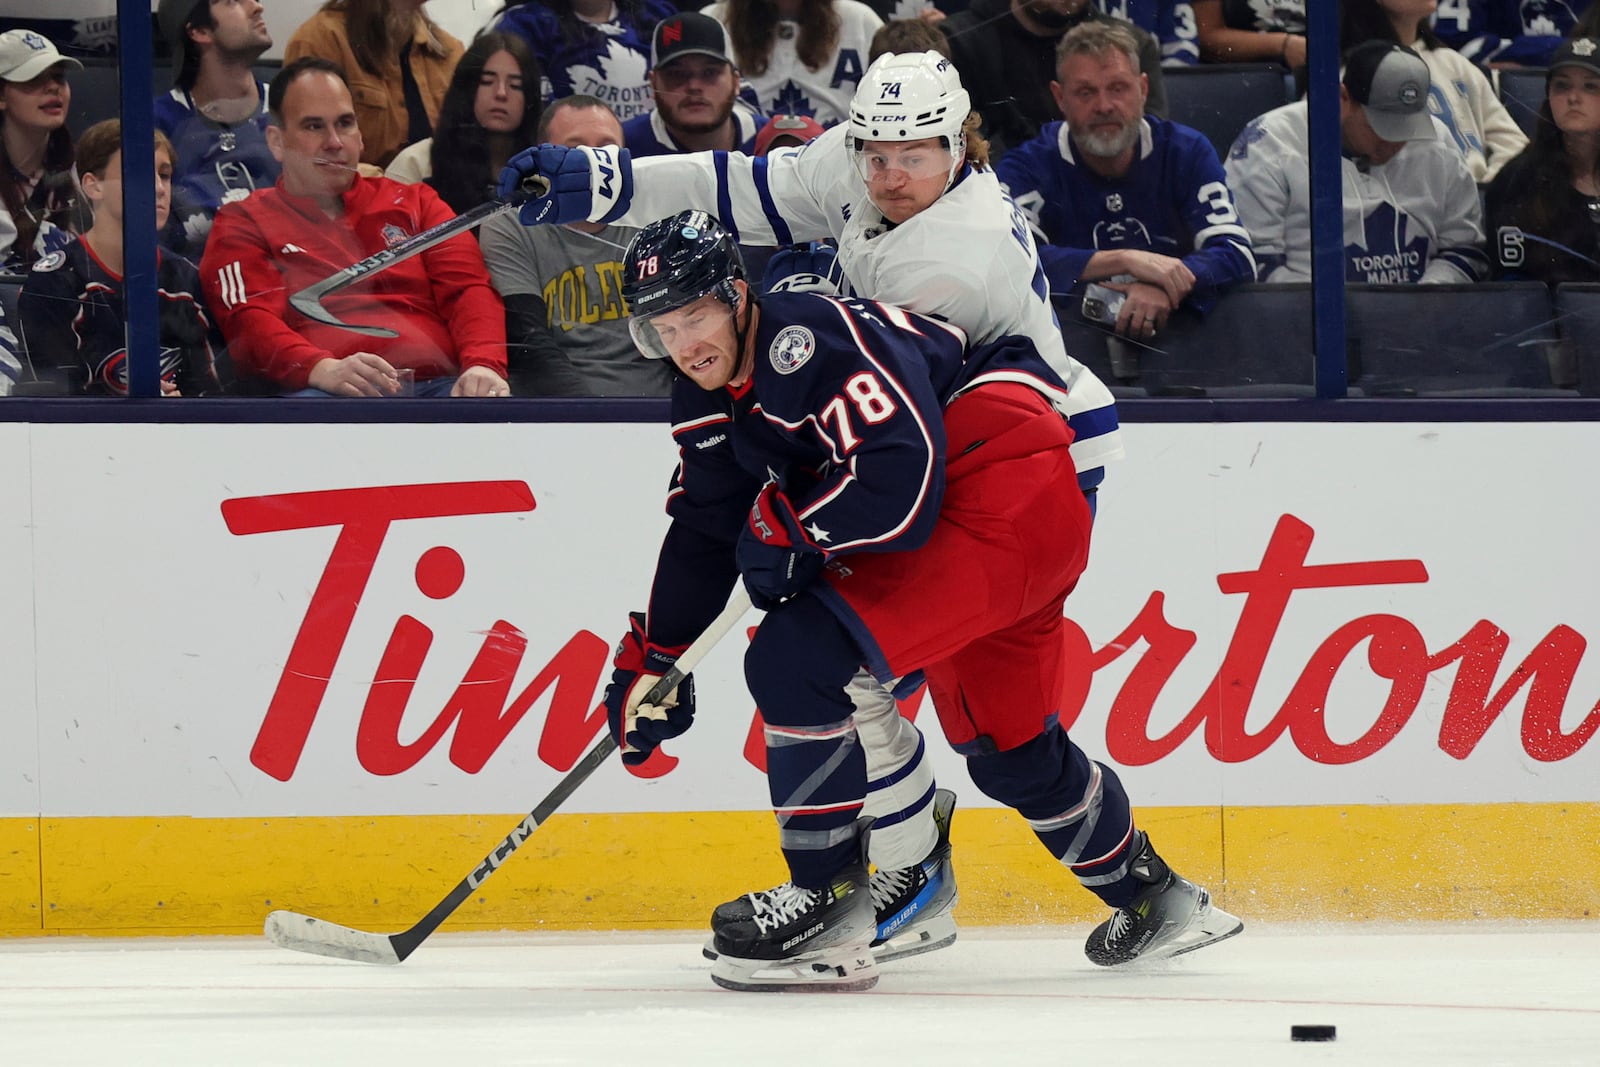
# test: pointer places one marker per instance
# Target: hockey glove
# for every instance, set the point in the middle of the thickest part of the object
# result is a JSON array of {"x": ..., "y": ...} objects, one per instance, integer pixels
[
  {"x": 586, "y": 184},
  {"x": 639, "y": 727},
  {"x": 806, "y": 268},
  {"x": 774, "y": 553}
]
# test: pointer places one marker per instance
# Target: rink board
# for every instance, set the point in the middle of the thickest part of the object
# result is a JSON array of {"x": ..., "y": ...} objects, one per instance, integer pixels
[{"x": 1336, "y": 671}]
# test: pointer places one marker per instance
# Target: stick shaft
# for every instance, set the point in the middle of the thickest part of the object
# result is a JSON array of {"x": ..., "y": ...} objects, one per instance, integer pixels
[{"x": 306, "y": 934}]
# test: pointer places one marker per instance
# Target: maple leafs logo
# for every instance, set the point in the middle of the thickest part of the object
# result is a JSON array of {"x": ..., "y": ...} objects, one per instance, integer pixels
[
  {"x": 619, "y": 77},
  {"x": 792, "y": 100}
]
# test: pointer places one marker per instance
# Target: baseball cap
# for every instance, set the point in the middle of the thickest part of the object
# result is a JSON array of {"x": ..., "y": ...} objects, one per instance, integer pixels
[
  {"x": 24, "y": 55},
  {"x": 1391, "y": 82},
  {"x": 800, "y": 127},
  {"x": 173, "y": 16},
  {"x": 1579, "y": 52},
  {"x": 688, "y": 34}
]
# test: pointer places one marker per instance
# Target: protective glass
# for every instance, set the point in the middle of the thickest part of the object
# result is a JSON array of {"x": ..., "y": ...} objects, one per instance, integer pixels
[
  {"x": 877, "y": 160},
  {"x": 679, "y": 331}
]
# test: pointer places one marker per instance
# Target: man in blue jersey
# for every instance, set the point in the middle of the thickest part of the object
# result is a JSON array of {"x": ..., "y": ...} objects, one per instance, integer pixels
[
  {"x": 1507, "y": 32},
  {"x": 854, "y": 464},
  {"x": 216, "y": 114},
  {"x": 1133, "y": 202},
  {"x": 696, "y": 89}
]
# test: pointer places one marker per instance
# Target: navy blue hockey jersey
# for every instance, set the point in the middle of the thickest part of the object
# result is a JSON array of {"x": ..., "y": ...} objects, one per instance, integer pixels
[
  {"x": 1174, "y": 200},
  {"x": 845, "y": 411}
]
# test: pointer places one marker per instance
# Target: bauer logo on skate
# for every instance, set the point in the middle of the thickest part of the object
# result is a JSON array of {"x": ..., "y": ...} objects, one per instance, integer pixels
[{"x": 1156, "y": 657}]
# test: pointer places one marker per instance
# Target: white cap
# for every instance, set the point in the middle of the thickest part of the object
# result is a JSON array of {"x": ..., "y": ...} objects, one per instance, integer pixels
[{"x": 24, "y": 55}]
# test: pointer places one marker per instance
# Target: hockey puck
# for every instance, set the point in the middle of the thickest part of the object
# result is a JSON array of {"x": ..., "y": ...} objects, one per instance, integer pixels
[{"x": 1311, "y": 1033}]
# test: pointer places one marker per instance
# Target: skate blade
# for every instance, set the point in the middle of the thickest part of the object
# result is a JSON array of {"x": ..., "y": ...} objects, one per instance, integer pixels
[
  {"x": 829, "y": 972},
  {"x": 938, "y": 932}
]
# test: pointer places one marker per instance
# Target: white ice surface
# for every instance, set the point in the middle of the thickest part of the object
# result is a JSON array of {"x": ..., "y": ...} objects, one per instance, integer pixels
[{"x": 1459, "y": 995}]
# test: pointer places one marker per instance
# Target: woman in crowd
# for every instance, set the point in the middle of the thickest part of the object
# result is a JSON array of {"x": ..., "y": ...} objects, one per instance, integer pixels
[
  {"x": 74, "y": 322},
  {"x": 1238, "y": 31},
  {"x": 1461, "y": 96},
  {"x": 397, "y": 61},
  {"x": 1544, "y": 207},
  {"x": 39, "y": 199},
  {"x": 490, "y": 112},
  {"x": 598, "y": 48},
  {"x": 800, "y": 57}
]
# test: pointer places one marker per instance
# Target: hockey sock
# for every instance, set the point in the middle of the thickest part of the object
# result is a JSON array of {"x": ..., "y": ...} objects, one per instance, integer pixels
[{"x": 798, "y": 666}]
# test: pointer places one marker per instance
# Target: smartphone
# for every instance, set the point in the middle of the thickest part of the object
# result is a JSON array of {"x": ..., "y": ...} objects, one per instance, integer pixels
[{"x": 1102, "y": 304}]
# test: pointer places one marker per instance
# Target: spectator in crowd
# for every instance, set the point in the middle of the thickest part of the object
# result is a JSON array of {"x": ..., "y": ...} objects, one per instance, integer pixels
[
  {"x": 1245, "y": 31},
  {"x": 487, "y": 116},
  {"x": 908, "y": 35},
  {"x": 1411, "y": 210},
  {"x": 74, "y": 321},
  {"x": 1514, "y": 33},
  {"x": 800, "y": 57},
  {"x": 565, "y": 317},
  {"x": 1171, "y": 22},
  {"x": 785, "y": 131},
  {"x": 1006, "y": 53},
  {"x": 598, "y": 48},
  {"x": 40, "y": 205},
  {"x": 10, "y": 357},
  {"x": 216, "y": 113},
  {"x": 398, "y": 63},
  {"x": 1544, "y": 207},
  {"x": 1461, "y": 97},
  {"x": 696, "y": 89},
  {"x": 1138, "y": 204},
  {"x": 323, "y": 216}
]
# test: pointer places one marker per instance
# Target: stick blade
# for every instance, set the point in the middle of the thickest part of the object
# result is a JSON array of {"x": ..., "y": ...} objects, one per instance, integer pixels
[{"x": 303, "y": 933}]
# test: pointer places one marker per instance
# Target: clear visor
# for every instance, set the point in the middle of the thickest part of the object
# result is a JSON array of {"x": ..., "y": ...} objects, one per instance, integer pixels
[
  {"x": 680, "y": 331},
  {"x": 885, "y": 161}
]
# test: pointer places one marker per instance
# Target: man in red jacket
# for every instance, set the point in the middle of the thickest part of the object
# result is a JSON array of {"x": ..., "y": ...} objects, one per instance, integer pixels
[{"x": 322, "y": 216}]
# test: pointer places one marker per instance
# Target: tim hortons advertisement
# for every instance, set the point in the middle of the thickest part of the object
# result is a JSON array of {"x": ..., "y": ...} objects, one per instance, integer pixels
[{"x": 324, "y": 620}]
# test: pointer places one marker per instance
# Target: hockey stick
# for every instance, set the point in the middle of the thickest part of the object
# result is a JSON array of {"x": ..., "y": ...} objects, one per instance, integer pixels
[
  {"x": 304, "y": 933},
  {"x": 308, "y": 301}
]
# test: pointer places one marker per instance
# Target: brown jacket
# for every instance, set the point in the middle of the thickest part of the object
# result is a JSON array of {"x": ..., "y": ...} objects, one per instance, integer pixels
[{"x": 380, "y": 102}]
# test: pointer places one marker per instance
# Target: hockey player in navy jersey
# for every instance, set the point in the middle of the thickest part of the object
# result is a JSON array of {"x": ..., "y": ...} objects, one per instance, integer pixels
[
  {"x": 1122, "y": 198},
  {"x": 854, "y": 464},
  {"x": 905, "y": 190}
]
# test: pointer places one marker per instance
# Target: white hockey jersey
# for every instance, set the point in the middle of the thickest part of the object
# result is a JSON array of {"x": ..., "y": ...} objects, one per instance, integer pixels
[
  {"x": 968, "y": 259},
  {"x": 1416, "y": 218},
  {"x": 789, "y": 87},
  {"x": 1480, "y": 127}
]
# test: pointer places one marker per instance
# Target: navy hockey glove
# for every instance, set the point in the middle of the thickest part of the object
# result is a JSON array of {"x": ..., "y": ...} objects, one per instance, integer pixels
[
  {"x": 637, "y": 727},
  {"x": 805, "y": 268},
  {"x": 586, "y": 184},
  {"x": 775, "y": 555}
]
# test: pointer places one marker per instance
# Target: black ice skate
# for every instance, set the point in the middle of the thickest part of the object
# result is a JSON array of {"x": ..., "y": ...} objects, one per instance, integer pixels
[
  {"x": 1168, "y": 918},
  {"x": 798, "y": 939},
  {"x": 913, "y": 904}
]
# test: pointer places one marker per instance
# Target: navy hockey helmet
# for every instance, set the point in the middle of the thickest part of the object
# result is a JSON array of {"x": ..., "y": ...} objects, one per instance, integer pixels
[{"x": 672, "y": 263}]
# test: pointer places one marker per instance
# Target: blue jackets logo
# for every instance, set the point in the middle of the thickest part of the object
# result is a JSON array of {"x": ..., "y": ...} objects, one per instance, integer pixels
[{"x": 791, "y": 348}]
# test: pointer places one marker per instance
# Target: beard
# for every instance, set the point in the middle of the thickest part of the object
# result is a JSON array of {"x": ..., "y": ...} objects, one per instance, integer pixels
[
  {"x": 1047, "y": 15},
  {"x": 675, "y": 120},
  {"x": 1108, "y": 145}
]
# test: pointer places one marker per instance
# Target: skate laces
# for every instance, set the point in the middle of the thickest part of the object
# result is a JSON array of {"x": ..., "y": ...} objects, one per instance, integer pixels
[
  {"x": 775, "y": 907},
  {"x": 888, "y": 886},
  {"x": 1121, "y": 923}
]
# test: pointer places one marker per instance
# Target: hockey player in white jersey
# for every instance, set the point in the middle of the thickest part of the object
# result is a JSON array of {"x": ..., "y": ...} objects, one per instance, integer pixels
[{"x": 920, "y": 220}]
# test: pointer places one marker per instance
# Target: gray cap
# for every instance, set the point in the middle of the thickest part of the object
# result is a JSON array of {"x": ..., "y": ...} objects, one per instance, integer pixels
[
  {"x": 1391, "y": 82},
  {"x": 24, "y": 55}
]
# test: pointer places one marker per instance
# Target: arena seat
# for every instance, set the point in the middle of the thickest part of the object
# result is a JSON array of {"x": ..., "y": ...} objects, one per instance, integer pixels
[
  {"x": 1219, "y": 99},
  {"x": 95, "y": 94},
  {"x": 1489, "y": 339},
  {"x": 1578, "y": 313},
  {"x": 1256, "y": 342},
  {"x": 1522, "y": 91}
]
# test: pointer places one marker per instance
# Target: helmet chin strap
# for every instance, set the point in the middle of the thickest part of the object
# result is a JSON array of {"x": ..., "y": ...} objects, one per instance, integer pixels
[{"x": 741, "y": 333}]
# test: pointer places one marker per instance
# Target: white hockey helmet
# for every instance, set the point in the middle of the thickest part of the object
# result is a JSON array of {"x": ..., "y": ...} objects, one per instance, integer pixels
[{"x": 908, "y": 96}]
